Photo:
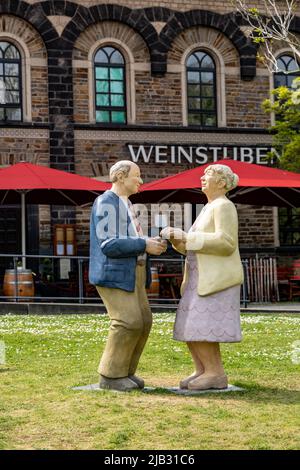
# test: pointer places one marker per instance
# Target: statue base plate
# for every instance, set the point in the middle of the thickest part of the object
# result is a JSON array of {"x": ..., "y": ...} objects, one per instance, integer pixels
[{"x": 175, "y": 390}]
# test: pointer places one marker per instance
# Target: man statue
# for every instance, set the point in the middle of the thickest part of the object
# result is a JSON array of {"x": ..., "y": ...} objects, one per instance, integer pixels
[{"x": 120, "y": 270}]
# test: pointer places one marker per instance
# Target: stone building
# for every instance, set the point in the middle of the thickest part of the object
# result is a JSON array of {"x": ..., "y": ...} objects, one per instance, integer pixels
[{"x": 169, "y": 84}]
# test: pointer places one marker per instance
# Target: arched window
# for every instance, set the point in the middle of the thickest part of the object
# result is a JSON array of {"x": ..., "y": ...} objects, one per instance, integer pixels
[
  {"x": 289, "y": 70},
  {"x": 110, "y": 92},
  {"x": 10, "y": 83},
  {"x": 201, "y": 89}
]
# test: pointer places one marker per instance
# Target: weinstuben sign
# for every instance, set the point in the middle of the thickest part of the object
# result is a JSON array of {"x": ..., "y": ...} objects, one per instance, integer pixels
[{"x": 197, "y": 154}]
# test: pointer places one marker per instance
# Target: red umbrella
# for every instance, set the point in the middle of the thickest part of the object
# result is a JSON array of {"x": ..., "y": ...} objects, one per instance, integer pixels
[
  {"x": 257, "y": 185},
  {"x": 43, "y": 185}
]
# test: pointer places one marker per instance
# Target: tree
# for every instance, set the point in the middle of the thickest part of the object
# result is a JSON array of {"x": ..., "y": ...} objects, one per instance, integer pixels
[
  {"x": 271, "y": 28},
  {"x": 285, "y": 104}
]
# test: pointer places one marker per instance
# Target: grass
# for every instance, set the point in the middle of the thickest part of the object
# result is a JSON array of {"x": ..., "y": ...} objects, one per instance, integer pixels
[{"x": 47, "y": 355}]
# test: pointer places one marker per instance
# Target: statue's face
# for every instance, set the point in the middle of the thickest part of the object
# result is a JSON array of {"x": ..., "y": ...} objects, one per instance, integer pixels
[
  {"x": 133, "y": 181},
  {"x": 211, "y": 183}
]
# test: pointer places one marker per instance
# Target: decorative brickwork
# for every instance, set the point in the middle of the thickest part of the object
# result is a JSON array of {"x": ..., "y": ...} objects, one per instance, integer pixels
[
  {"x": 207, "y": 36},
  {"x": 25, "y": 32},
  {"x": 112, "y": 30}
]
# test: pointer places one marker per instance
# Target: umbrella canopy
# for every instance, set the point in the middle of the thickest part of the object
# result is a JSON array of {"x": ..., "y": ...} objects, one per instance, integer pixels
[
  {"x": 26, "y": 183},
  {"x": 44, "y": 185},
  {"x": 258, "y": 185}
]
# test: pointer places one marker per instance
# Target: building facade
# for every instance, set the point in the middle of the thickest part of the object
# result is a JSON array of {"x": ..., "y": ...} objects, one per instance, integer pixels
[{"x": 170, "y": 85}]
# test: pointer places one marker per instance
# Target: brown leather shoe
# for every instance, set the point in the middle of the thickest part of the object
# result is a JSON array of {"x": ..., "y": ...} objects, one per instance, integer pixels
[{"x": 206, "y": 383}]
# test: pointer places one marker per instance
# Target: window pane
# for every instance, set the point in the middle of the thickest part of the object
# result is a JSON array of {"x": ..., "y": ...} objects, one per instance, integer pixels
[
  {"x": 194, "y": 103},
  {"x": 208, "y": 120},
  {"x": 1, "y": 69},
  {"x": 12, "y": 83},
  {"x": 281, "y": 64},
  {"x": 207, "y": 62},
  {"x": 102, "y": 116},
  {"x": 194, "y": 119},
  {"x": 116, "y": 74},
  {"x": 208, "y": 104},
  {"x": 101, "y": 57},
  {"x": 193, "y": 77},
  {"x": 12, "y": 53},
  {"x": 292, "y": 65},
  {"x": 290, "y": 79},
  {"x": 102, "y": 100},
  {"x": 193, "y": 90},
  {"x": 207, "y": 90},
  {"x": 2, "y": 91},
  {"x": 12, "y": 97},
  {"x": 116, "y": 87},
  {"x": 102, "y": 86},
  {"x": 200, "y": 55},
  {"x": 1, "y": 114},
  {"x": 13, "y": 114},
  {"x": 279, "y": 80},
  {"x": 109, "y": 51},
  {"x": 3, "y": 46},
  {"x": 207, "y": 77},
  {"x": 116, "y": 58},
  {"x": 117, "y": 100},
  {"x": 11, "y": 69},
  {"x": 192, "y": 61},
  {"x": 102, "y": 72},
  {"x": 118, "y": 116}
]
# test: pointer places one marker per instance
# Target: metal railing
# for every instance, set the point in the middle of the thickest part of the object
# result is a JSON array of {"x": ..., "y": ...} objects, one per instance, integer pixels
[{"x": 79, "y": 286}]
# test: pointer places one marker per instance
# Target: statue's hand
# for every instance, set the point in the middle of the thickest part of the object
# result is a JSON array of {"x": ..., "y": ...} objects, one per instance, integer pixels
[
  {"x": 172, "y": 233},
  {"x": 154, "y": 246}
]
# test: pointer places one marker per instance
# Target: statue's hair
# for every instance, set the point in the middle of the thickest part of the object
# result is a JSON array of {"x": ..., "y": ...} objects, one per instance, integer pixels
[
  {"x": 122, "y": 166},
  {"x": 226, "y": 174}
]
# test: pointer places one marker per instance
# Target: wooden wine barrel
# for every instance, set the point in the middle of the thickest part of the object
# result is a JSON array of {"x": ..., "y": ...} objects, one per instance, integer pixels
[
  {"x": 25, "y": 283},
  {"x": 153, "y": 291},
  {"x": 296, "y": 269}
]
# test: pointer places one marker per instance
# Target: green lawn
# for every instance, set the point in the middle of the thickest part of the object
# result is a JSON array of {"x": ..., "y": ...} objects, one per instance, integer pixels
[{"x": 47, "y": 355}]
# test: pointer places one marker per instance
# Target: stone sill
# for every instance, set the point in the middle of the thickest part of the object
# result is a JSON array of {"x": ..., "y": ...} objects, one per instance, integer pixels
[
  {"x": 25, "y": 125},
  {"x": 184, "y": 129}
]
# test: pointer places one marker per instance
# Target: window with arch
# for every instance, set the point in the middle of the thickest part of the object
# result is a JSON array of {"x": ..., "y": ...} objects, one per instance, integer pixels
[
  {"x": 289, "y": 218},
  {"x": 10, "y": 83},
  {"x": 201, "y": 89},
  {"x": 289, "y": 70},
  {"x": 110, "y": 86}
]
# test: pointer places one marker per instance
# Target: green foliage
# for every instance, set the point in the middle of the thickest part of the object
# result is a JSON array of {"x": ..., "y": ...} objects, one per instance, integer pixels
[
  {"x": 286, "y": 107},
  {"x": 254, "y": 11}
]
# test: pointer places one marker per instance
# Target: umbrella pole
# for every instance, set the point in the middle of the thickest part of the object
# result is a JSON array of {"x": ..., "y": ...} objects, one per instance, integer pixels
[{"x": 23, "y": 222}]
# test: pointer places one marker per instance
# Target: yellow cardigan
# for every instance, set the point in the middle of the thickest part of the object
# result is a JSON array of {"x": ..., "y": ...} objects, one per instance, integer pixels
[{"x": 215, "y": 241}]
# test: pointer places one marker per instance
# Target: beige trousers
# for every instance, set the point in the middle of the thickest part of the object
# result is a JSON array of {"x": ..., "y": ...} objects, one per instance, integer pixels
[{"x": 131, "y": 321}]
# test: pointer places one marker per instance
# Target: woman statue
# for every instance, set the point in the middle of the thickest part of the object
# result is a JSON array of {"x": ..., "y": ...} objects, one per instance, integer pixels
[{"x": 209, "y": 310}]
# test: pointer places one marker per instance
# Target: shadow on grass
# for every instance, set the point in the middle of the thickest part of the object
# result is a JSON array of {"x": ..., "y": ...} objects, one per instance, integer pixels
[{"x": 250, "y": 392}]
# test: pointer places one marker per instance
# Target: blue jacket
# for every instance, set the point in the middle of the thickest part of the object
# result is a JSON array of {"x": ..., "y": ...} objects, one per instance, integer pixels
[{"x": 114, "y": 245}]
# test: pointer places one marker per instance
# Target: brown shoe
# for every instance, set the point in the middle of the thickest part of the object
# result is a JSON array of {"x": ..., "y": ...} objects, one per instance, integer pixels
[
  {"x": 206, "y": 383},
  {"x": 184, "y": 382}
]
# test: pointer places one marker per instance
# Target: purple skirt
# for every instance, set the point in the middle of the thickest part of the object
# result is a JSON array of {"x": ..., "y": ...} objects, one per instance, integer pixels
[{"x": 212, "y": 318}]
